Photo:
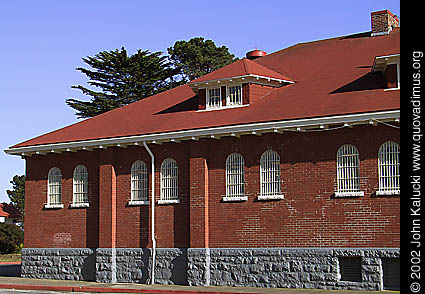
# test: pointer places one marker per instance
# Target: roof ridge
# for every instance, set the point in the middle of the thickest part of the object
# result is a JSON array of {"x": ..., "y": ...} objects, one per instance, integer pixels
[{"x": 244, "y": 64}]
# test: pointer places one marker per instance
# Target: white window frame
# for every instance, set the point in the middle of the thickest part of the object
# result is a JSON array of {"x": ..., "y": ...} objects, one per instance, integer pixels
[
  {"x": 80, "y": 185},
  {"x": 228, "y": 95},
  {"x": 270, "y": 182},
  {"x": 389, "y": 169},
  {"x": 139, "y": 183},
  {"x": 348, "y": 171},
  {"x": 235, "y": 178},
  {"x": 169, "y": 192},
  {"x": 54, "y": 188},
  {"x": 213, "y": 105}
]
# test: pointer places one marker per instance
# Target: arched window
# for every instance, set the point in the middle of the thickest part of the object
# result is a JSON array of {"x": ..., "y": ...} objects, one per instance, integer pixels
[
  {"x": 169, "y": 181},
  {"x": 348, "y": 171},
  {"x": 235, "y": 176},
  {"x": 270, "y": 175},
  {"x": 139, "y": 181},
  {"x": 54, "y": 189},
  {"x": 389, "y": 168},
  {"x": 80, "y": 185}
]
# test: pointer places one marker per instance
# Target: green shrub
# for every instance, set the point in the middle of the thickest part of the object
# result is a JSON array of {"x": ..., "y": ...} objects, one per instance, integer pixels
[{"x": 11, "y": 238}]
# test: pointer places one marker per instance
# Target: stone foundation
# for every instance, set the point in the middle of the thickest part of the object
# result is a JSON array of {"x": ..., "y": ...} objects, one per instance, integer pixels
[{"x": 269, "y": 268}]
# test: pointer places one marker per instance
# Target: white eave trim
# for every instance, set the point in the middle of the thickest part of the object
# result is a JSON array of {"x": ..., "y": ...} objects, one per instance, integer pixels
[
  {"x": 216, "y": 132},
  {"x": 381, "y": 62},
  {"x": 242, "y": 79}
]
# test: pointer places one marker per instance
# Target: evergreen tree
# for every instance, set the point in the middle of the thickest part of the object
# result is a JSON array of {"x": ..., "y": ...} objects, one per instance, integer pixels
[
  {"x": 198, "y": 57},
  {"x": 122, "y": 79},
  {"x": 17, "y": 195}
]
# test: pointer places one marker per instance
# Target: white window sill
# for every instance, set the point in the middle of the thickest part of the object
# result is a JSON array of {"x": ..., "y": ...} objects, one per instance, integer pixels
[
  {"x": 53, "y": 206},
  {"x": 223, "y": 107},
  {"x": 137, "y": 202},
  {"x": 349, "y": 194},
  {"x": 392, "y": 89},
  {"x": 170, "y": 201},
  {"x": 235, "y": 198},
  {"x": 387, "y": 193},
  {"x": 270, "y": 197},
  {"x": 79, "y": 205}
]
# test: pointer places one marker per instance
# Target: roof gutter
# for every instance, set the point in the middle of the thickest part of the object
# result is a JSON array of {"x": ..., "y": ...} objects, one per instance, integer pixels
[{"x": 213, "y": 132}]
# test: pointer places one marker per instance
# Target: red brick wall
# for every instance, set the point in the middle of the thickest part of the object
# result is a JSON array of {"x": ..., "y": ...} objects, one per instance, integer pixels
[
  {"x": 253, "y": 92},
  {"x": 61, "y": 228},
  {"x": 202, "y": 99},
  {"x": 308, "y": 216}
]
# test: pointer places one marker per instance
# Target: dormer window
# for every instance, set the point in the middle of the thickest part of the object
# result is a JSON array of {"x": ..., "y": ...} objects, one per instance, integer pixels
[
  {"x": 213, "y": 98},
  {"x": 234, "y": 95},
  {"x": 389, "y": 65},
  {"x": 223, "y": 96}
]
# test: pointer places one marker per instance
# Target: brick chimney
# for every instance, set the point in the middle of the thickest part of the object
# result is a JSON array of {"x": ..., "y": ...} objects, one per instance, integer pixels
[{"x": 383, "y": 22}]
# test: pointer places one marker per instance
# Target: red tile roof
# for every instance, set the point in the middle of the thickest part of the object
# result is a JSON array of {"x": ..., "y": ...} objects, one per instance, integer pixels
[
  {"x": 333, "y": 77},
  {"x": 241, "y": 67}
]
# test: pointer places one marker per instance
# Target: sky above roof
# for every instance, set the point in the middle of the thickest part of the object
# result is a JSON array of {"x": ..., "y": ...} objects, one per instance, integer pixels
[{"x": 42, "y": 42}]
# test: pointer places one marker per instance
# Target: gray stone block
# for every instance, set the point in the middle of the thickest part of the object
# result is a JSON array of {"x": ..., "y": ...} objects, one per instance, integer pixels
[{"x": 269, "y": 267}]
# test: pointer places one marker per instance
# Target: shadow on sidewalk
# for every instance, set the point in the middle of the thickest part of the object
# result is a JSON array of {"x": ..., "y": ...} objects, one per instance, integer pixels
[{"x": 10, "y": 270}]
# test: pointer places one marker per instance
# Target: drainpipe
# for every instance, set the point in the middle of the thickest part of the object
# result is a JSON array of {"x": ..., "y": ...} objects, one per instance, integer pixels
[{"x": 153, "y": 212}]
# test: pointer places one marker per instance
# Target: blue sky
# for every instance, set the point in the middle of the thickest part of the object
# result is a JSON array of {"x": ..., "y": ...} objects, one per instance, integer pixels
[{"x": 42, "y": 42}]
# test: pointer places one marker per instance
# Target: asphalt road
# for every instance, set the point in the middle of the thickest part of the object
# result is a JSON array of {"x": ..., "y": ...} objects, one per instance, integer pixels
[{"x": 10, "y": 270}]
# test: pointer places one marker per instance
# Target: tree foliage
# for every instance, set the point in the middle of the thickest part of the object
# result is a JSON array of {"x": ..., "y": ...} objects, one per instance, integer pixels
[
  {"x": 122, "y": 79},
  {"x": 11, "y": 238},
  {"x": 198, "y": 57},
  {"x": 17, "y": 195}
]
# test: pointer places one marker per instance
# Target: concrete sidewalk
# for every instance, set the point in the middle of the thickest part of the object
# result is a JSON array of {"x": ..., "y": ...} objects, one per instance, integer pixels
[{"x": 93, "y": 287}]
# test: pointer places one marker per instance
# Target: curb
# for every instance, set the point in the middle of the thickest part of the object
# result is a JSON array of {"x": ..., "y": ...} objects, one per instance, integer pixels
[{"x": 107, "y": 289}]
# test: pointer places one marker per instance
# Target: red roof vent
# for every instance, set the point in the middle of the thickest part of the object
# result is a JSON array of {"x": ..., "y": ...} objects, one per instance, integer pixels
[{"x": 255, "y": 54}]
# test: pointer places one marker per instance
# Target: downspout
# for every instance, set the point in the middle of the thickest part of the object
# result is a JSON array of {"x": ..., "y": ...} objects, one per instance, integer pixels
[{"x": 153, "y": 213}]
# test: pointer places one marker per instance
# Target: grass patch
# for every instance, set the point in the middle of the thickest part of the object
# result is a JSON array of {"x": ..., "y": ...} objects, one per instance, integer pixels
[{"x": 10, "y": 257}]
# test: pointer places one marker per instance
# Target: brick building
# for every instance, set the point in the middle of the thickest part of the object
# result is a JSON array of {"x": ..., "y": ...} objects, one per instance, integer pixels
[{"x": 279, "y": 170}]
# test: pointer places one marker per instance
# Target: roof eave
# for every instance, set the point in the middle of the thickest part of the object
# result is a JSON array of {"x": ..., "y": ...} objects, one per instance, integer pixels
[
  {"x": 347, "y": 120},
  {"x": 381, "y": 62},
  {"x": 264, "y": 80}
]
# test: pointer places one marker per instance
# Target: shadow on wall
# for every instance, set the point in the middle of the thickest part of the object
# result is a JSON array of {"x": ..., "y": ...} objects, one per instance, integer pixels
[
  {"x": 179, "y": 268},
  {"x": 89, "y": 267}
]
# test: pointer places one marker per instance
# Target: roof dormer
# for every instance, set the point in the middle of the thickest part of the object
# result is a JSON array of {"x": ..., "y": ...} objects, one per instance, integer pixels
[
  {"x": 238, "y": 84},
  {"x": 389, "y": 65}
]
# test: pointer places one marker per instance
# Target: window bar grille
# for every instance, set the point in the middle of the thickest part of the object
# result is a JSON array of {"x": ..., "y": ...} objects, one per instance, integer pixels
[
  {"x": 348, "y": 179},
  {"x": 80, "y": 184},
  {"x": 388, "y": 161},
  {"x": 169, "y": 180},
  {"x": 235, "y": 182},
  {"x": 270, "y": 173},
  {"x": 139, "y": 181},
  {"x": 55, "y": 186}
]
